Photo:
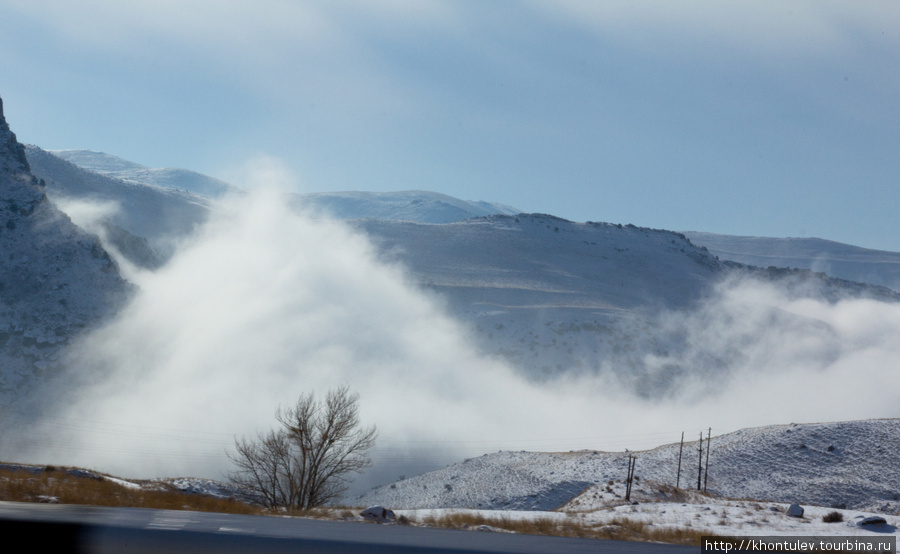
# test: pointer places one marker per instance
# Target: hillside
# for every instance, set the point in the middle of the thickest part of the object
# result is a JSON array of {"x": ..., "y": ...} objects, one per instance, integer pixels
[
  {"x": 157, "y": 214},
  {"x": 413, "y": 205},
  {"x": 421, "y": 206},
  {"x": 844, "y": 465},
  {"x": 550, "y": 296},
  {"x": 56, "y": 280},
  {"x": 124, "y": 170},
  {"x": 555, "y": 297},
  {"x": 844, "y": 261}
]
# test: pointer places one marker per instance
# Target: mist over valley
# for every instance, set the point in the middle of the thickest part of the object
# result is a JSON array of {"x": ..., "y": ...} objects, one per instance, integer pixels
[{"x": 465, "y": 326}]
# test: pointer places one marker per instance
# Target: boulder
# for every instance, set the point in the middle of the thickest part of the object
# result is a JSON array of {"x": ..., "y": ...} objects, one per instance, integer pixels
[
  {"x": 873, "y": 520},
  {"x": 795, "y": 510},
  {"x": 378, "y": 514}
]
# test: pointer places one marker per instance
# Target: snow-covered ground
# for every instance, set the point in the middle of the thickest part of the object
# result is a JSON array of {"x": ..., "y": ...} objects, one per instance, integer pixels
[
  {"x": 847, "y": 465},
  {"x": 754, "y": 476},
  {"x": 719, "y": 517}
]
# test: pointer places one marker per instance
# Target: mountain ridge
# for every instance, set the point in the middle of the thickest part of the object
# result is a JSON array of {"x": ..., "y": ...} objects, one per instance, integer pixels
[
  {"x": 548, "y": 295},
  {"x": 819, "y": 255},
  {"x": 845, "y": 261}
]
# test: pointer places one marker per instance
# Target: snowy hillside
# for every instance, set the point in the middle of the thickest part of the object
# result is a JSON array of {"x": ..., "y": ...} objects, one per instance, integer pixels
[
  {"x": 550, "y": 296},
  {"x": 841, "y": 465},
  {"x": 419, "y": 206},
  {"x": 837, "y": 260},
  {"x": 173, "y": 178},
  {"x": 555, "y": 297},
  {"x": 155, "y": 213},
  {"x": 55, "y": 279}
]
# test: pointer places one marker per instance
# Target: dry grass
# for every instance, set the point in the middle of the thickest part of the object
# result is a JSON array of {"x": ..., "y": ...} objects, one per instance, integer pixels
[
  {"x": 62, "y": 486},
  {"x": 618, "y": 529},
  {"x": 59, "y": 485}
]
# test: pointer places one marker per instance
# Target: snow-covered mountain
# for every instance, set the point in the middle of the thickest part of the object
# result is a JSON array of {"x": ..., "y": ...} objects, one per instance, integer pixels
[
  {"x": 549, "y": 295},
  {"x": 421, "y": 206},
  {"x": 841, "y": 465},
  {"x": 173, "y": 178},
  {"x": 845, "y": 261},
  {"x": 414, "y": 205},
  {"x": 56, "y": 280},
  {"x": 554, "y": 297},
  {"x": 132, "y": 210},
  {"x": 162, "y": 205}
]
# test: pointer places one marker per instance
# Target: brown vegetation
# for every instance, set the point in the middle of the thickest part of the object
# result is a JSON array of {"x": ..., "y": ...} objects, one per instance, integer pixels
[
  {"x": 67, "y": 487},
  {"x": 618, "y": 529},
  {"x": 833, "y": 517}
]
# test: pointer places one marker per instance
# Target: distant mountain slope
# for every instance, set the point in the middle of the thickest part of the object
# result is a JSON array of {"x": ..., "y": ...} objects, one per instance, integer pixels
[
  {"x": 155, "y": 213},
  {"x": 550, "y": 296},
  {"x": 540, "y": 260},
  {"x": 415, "y": 205},
  {"x": 844, "y": 464},
  {"x": 422, "y": 206},
  {"x": 55, "y": 279},
  {"x": 174, "y": 178},
  {"x": 554, "y": 297},
  {"x": 837, "y": 260}
]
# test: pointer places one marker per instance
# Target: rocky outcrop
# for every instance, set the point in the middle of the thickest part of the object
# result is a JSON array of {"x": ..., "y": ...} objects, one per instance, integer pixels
[{"x": 56, "y": 280}]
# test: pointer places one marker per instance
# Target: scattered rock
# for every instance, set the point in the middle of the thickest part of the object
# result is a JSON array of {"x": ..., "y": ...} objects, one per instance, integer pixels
[
  {"x": 795, "y": 510},
  {"x": 486, "y": 528},
  {"x": 378, "y": 514},
  {"x": 873, "y": 520}
]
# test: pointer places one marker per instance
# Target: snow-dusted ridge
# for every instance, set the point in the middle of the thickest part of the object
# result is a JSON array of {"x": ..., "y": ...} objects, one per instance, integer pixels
[
  {"x": 847, "y": 465},
  {"x": 844, "y": 261},
  {"x": 412, "y": 205},
  {"x": 173, "y": 178},
  {"x": 157, "y": 214},
  {"x": 549, "y": 295}
]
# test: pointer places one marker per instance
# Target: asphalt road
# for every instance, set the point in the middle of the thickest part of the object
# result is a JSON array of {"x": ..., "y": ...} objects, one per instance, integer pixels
[{"x": 58, "y": 528}]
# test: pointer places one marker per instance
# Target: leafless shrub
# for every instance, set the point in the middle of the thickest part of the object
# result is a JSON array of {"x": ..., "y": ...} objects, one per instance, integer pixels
[{"x": 307, "y": 462}]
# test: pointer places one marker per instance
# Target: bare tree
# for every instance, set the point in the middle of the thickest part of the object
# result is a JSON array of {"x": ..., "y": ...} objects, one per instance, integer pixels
[{"x": 308, "y": 461}]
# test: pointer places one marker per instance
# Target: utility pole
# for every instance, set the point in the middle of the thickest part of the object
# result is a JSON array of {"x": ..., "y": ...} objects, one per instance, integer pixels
[
  {"x": 706, "y": 471},
  {"x": 632, "y": 461},
  {"x": 680, "y": 450},
  {"x": 700, "y": 466}
]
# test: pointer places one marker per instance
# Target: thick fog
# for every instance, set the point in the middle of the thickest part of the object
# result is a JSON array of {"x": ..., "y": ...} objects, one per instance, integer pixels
[{"x": 264, "y": 304}]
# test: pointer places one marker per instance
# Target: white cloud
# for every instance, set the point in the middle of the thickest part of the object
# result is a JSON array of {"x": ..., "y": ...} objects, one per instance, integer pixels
[{"x": 776, "y": 30}]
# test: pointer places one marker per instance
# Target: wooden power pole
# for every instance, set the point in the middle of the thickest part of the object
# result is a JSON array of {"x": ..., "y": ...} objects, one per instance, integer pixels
[
  {"x": 632, "y": 461},
  {"x": 700, "y": 466},
  {"x": 706, "y": 471},
  {"x": 680, "y": 450}
]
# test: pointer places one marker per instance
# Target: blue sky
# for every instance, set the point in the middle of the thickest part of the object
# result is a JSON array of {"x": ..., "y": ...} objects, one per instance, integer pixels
[{"x": 771, "y": 118}]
